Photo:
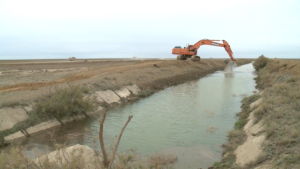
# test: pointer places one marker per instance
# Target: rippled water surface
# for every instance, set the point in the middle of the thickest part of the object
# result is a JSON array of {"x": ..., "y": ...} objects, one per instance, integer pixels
[{"x": 190, "y": 120}]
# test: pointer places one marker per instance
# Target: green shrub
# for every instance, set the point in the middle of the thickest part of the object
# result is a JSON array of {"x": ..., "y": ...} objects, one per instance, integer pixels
[
  {"x": 65, "y": 102},
  {"x": 260, "y": 63},
  {"x": 240, "y": 124}
]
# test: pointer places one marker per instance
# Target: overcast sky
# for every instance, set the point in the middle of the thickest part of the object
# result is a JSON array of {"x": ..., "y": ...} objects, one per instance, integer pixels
[{"x": 40, "y": 29}]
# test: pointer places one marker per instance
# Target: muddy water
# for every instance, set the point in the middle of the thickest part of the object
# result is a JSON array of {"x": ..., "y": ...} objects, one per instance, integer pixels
[{"x": 189, "y": 120}]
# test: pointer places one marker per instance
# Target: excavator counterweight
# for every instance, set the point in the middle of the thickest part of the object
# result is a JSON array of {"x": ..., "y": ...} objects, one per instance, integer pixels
[{"x": 190, "y": 51}]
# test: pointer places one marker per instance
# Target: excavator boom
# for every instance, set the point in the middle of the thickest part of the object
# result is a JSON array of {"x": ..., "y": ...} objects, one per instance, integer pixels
[{"x": 191, "y": 50}]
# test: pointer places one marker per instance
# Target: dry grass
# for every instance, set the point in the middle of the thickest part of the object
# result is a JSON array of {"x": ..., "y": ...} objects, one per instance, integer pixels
[
  {"x": 16, "y": 158},
  {"x": 281, "y": 113}
]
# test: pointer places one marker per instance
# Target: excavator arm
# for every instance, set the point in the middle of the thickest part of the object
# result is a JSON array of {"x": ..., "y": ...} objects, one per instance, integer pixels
[{"x": 225, "y": 44}]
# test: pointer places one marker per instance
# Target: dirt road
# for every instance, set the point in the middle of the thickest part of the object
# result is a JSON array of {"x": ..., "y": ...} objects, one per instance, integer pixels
[{"x": 76, "y": 71}]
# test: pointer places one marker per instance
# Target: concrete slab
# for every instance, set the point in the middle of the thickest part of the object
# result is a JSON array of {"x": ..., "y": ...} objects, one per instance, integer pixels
[
  {"x": 98, "y": 98},
  {"x": 108, "y": 96},
  {"x": 28, "y": 108},
  {"x": 67, "y": 119},
  {"x": 123, "y": 92},
  {"x": 99, "y": 108},
  {"x": 11, "y": 116},
  {"x": 14, "y": 136},
  {"x": 43, "y": 126},
  {"x": 95, "y": 112},
  {"x": 134, "y": 89},
  {"x": 80, "y": 117}
]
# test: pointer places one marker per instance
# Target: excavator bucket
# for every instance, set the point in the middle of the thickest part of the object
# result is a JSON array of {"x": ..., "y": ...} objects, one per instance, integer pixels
[{"x": 234, "y": 64}]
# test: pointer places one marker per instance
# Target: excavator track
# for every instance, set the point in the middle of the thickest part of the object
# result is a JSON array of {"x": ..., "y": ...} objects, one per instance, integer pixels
[
  {"x": 181, "y": 57},
  {"x": 195, "y": 58}
]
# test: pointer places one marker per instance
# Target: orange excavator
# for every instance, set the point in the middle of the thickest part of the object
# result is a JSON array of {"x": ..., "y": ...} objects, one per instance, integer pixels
[{"x": 191, "y": 50}]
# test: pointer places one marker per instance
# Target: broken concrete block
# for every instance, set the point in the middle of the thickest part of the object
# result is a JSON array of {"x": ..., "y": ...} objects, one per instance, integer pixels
[
  {"x": 11, "y": 116},
  {"x": 134, "y": 89},
  {"x": 123, "y": 92},
  {"x": 42, "y": 126},
  {"x": 85, "y": 154},
  {"x": 109, "y": 96}
]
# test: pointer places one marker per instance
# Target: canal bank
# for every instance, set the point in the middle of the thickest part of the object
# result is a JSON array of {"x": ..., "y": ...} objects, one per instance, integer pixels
[
  {"x": 266, "y": 134},
  {"x": 190, "y": 120}
]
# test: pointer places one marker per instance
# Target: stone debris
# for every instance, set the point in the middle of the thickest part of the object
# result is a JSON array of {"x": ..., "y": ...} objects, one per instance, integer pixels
[{"x": 86, "y": 156}]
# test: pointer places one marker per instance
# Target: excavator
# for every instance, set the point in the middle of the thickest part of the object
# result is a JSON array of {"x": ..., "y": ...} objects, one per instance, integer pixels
[{"x": 191, "y": 50}]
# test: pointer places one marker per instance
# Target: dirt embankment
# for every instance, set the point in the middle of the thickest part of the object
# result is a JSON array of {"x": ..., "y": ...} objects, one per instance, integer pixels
[
  {"x": 267, "y": 133},
  {"x": 33, "y": 80}
]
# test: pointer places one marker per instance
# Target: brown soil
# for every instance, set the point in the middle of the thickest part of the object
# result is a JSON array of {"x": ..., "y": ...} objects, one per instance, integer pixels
[{"x": 32, "y": 79}]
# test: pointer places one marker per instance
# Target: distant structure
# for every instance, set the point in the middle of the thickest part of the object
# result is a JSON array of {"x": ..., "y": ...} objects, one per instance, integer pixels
[
  {"x": 72, "y": 59},
  {"x": 134, "y": 58}
]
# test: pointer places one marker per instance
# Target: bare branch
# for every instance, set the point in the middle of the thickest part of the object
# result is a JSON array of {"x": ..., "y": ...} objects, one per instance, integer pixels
[
  {"x": 117, "y": 144},
  {"x": 105, "y": 161}
]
